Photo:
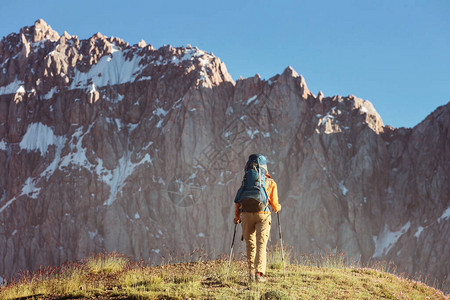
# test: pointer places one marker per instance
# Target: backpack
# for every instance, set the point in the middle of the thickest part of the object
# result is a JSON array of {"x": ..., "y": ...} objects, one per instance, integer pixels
[{"x": 252, "y": 195}]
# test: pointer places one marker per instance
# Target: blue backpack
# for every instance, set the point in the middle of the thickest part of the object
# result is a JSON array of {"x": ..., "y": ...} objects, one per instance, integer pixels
[{"x": 252, "y": 195}]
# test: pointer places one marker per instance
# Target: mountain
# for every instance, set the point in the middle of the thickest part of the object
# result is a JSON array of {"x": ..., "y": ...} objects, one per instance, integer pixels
[{"x": 110, "y": 147}]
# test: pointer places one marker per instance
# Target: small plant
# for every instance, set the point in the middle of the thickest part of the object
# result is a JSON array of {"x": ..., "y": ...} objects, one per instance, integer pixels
[
  {"x": 305, "y": 260},
  {"x": 235, "y": 273},
  {"x": 64, "y": 281},
  {"x": 140, "y": 277},
  {"x": 251, "y": 294},
  {"x": 185, "y": 278},
  {"x": 106, "y": 263},
  {"x": 186, "y": 286},
  {"x": 275, "y": 295},
  {"x": 332, "y": 259},
  {"x": 275, "y": 258},
  {"x": 384, "y": 266}
]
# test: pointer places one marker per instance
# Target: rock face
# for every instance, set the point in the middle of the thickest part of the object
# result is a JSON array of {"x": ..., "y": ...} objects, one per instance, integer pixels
[{"x": 110, "y": 147}]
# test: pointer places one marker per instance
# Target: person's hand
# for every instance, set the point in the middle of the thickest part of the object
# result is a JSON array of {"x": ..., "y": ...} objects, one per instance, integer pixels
[
  {"x": 237, "y": 221},
  {"x": 279, "y": 207}
]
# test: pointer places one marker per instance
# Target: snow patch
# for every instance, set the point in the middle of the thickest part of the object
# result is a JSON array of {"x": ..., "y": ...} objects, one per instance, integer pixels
[
  {"x": 12, "y": 88},
  {"x": 178, "y": 103},
  {"x": 29, "y": 189},
  {"x": 387, "y": 239},
  {"x": 250, "y": 100},
  {"x": 77, "y": 157},
  {"x": 3, "y": 145},
  {"x": 40, "y": 137},
  {"x": 445, "y": 215},
  {"x": 147, "y": 146},
  {"x": 91, "y": 89},
  {"x": 110, "y": 70},
  {"x": 93, "y": 234},
  {"x": 252, "y": 133},
  {"x": 7, "y": 204},
  {"x": 50, "y": 93},
  {"x": 117, "y": 99},
  {"x": 21, "y": 90},
  {"x": 116, "y": 178},
  {"x": 161, "y": 113},
  {"x": 118, "y": 123},
  {"x": 418, "y": 232},
  {"x": 54, "y": 164},
  {"x": 344, "y": 190},
  {"x": 326, "y": 118},
  {"x": 180, "y": 183},
  {"x": 132, "y": 127},
  {"x": 143, "y": 78},
  {"x": 114, "y": 48},
  {"x": 190, "y": 54}
]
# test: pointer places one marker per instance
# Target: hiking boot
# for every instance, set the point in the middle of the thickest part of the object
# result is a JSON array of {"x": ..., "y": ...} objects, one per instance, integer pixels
[{"x": 259, "y": 277}]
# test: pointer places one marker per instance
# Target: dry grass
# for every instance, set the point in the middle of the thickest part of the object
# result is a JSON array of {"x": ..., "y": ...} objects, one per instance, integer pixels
[
  {"x": 112, "y": 276},
  {"x": 106, "y": 263}
]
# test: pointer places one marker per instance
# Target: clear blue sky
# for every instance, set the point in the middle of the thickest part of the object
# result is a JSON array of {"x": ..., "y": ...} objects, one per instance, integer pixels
[{"x": 395, "y": 53}]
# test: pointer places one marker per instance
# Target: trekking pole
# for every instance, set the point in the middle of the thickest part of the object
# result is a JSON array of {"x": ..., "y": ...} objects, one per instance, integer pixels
[
  {"x": 231, "y": 251},
  {"x": 281, "y": 242}
]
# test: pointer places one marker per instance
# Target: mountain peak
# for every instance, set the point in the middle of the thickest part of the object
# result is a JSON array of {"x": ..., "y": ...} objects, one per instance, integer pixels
[
  {"x": 290, "y": 75},
  {"x": 289, "y": 71},
  {"x": 40, "y": 31},
  {"x": 16, "y": 42},
  {"x": 142, "y": 44}
]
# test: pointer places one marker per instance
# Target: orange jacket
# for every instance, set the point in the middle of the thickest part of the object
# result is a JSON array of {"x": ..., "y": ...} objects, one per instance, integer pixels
[{"x": 272, "y": 191}]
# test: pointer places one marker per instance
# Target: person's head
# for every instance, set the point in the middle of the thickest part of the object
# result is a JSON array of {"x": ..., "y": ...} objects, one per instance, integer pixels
[{"x": 261, "y": 159}]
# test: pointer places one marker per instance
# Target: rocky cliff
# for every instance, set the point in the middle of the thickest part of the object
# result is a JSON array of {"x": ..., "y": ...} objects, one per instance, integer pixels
[{"x": 106, "y": 146}]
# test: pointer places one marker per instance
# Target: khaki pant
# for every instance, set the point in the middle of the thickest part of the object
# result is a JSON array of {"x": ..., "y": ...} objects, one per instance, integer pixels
[{"x": 256, "y": 231}]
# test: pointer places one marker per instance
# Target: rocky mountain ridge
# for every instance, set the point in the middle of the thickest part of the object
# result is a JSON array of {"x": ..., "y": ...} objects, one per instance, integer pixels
[{"x": 110, "y": 147}]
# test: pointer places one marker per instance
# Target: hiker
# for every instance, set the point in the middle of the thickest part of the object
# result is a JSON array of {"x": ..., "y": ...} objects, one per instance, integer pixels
[{"x": 254, "y": 212}]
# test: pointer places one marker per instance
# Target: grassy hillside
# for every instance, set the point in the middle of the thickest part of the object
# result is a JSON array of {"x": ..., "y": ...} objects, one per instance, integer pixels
[{"x": 113, "y": 276}]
